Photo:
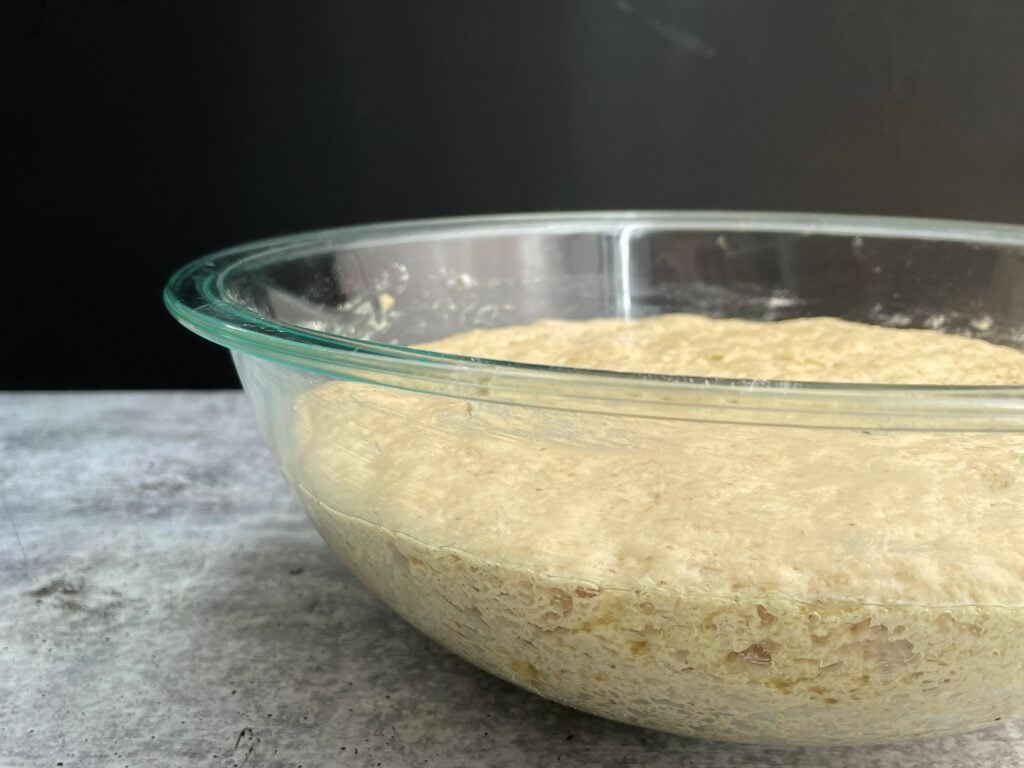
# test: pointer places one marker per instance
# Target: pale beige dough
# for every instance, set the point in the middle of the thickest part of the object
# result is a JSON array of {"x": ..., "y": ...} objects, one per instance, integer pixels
[
  {"x": 753, "y": 583},
  {"x": 805, "y": 349}
]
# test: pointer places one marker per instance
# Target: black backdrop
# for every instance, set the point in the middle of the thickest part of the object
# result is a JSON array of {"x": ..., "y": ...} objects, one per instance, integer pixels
[{"x": 143, "y": 133}]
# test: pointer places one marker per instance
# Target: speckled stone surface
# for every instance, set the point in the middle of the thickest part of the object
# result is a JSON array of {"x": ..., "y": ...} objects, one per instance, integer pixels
[{"x": 163, "y": 602}]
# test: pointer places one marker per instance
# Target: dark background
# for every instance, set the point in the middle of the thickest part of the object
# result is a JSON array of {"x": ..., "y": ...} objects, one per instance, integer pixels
[{"x": 142, "y": 134}]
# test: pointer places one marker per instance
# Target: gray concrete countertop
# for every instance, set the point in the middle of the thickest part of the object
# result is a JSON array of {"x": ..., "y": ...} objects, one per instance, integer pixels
[{"x": 163, "y": 602}]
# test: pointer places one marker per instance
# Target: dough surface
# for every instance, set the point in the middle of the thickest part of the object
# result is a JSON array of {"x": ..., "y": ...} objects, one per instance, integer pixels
[{"x": 804, "y": 349}]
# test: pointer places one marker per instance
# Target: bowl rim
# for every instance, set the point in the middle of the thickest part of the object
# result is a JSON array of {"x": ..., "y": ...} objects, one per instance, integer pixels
[{"x": 196, "y": 296}]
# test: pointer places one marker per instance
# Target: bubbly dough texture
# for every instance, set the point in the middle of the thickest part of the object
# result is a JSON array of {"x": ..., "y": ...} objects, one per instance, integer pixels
[
  {"x": 804, "y": 349},
  {"x": 750, "y": 583}
]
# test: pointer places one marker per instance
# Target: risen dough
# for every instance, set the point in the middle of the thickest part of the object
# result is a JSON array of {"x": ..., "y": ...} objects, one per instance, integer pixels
[{"x": 753, "y": 583}]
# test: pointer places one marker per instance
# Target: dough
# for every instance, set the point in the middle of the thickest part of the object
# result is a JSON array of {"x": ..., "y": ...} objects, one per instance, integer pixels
[{"x": 742, "y": 582}]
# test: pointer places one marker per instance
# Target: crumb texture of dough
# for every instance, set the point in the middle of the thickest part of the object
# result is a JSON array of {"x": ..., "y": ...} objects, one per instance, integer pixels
[{"x": 740, "y": 582}]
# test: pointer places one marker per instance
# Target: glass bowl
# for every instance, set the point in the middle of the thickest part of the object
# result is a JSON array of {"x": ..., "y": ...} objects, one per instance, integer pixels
[{"x": 760, "y": 561}]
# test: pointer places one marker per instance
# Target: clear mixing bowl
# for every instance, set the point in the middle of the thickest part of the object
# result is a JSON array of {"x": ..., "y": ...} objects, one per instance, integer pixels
[{"x": 759, "y": 561}]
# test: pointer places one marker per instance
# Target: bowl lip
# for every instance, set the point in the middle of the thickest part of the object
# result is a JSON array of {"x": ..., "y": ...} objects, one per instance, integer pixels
[{"x": 196, "y": 296}]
